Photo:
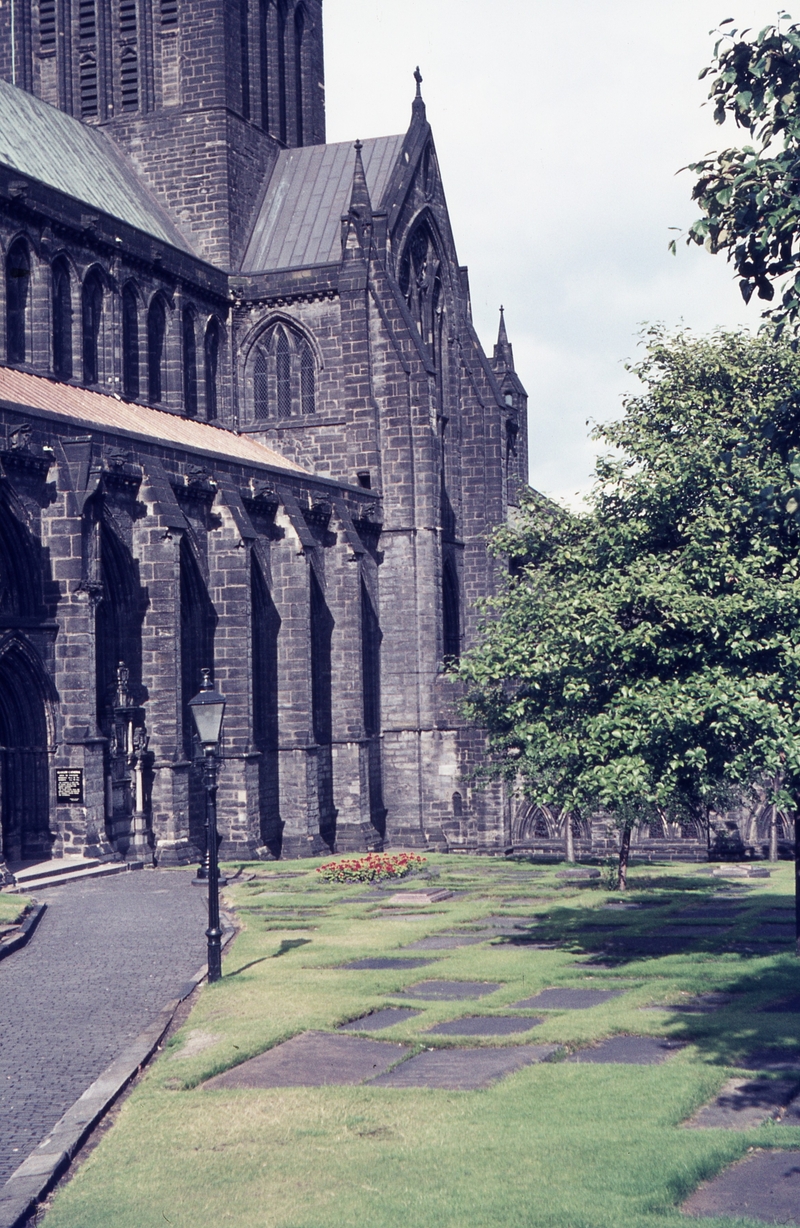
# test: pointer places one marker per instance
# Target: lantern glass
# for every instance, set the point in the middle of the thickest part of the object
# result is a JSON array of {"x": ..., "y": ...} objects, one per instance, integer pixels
[{"x": 208, "y": 709}]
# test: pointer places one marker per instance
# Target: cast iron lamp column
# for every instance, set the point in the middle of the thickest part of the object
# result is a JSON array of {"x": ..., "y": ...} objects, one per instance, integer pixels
[{"x": 208, "y": 709}]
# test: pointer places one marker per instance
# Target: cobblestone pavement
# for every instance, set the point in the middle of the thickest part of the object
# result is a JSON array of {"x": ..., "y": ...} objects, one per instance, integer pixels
[{"x": 107, "y": 955}]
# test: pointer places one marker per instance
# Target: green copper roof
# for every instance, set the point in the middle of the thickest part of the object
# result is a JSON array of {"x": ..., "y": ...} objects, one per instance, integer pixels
[{"x": 44, "y": 143}]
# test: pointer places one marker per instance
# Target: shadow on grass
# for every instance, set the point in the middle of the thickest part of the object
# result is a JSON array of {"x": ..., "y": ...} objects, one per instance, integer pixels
[{"x": 287, "y": 945}]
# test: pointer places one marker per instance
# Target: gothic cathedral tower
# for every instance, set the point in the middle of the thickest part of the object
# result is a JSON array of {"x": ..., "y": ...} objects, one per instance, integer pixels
[{"x": 202, "y": 94}]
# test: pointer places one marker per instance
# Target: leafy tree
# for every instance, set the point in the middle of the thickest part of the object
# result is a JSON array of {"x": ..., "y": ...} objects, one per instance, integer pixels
[
  {"x": 645, "y": 655},
  {"x": 750, "y": 195}
]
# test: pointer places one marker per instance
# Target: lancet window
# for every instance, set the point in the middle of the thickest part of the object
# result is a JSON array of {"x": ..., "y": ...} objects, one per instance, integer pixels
[
  {"x": 91, "y": 316},
  {"x": 62, "y": 319},
  {"x": 211, "y": 347},
  {"x": 18, "y": 280},
  {"x": 156, "y": 337},
  {"x": 130, "y": 341},
  {"x": 284, "y": 375}
]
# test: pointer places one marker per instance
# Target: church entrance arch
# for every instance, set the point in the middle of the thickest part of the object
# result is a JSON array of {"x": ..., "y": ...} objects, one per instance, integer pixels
[{"x": 24, "y": 774}]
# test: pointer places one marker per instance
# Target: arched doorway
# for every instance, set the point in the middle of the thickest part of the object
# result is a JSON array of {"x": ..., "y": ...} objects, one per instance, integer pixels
[{"x": 24, "y": 776}]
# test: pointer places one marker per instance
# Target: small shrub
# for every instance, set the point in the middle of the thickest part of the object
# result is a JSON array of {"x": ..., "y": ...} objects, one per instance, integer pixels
[{"x": 368, "y": 869}]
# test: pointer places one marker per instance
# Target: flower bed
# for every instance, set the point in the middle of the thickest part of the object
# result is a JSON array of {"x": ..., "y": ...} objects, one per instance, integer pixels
[{"x": 370, "y": 868}]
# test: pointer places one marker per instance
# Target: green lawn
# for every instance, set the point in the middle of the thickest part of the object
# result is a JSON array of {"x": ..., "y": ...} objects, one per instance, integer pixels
[
  {"x": 12, "y": 907},
  {"x": 578, "y": 1146}
]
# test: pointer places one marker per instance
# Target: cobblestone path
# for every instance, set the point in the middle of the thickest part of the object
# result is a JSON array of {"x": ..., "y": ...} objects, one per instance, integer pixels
[{"x": 107, "y": 955}]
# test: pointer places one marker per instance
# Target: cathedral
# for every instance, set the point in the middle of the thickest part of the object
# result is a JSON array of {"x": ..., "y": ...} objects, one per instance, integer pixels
[{"x": 246, "y": 424}]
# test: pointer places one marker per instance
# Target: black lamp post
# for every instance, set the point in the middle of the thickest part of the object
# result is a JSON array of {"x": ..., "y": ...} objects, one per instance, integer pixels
[{"x": 208, "y": 709}]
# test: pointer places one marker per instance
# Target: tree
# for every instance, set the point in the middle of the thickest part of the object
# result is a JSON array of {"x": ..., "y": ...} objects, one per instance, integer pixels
[
  {"x": 750, "y": 195},
  {"x": 646, "y": 654}
]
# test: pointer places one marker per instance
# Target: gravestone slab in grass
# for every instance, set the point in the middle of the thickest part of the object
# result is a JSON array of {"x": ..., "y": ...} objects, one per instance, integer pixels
[
  {"x": 568, "y": 999},
  {"x": 462, "y": 1069},
  {"x": 702, "y": 1004},
  {"x": 314, "y": 1059},
  {"x": 446, "y": 991},
  {"x": 486, "y": 1025},
  {"x": 448, "y": 942},
  {"x": 629, "y": 1051},
  {"x": 743, "y": 1103},
  {"x": 382, "y": 962},
  {"x": 769, "y": 1059},
  {"x": 377, "y": 1020},
  {"x": 784, "y": 1006},
  {"x": 764, "y": 1186},
  {"x": 577, "y": 875}
]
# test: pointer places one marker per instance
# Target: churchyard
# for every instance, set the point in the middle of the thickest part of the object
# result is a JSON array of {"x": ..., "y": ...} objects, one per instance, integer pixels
[{"x": 483, "y": 1043}]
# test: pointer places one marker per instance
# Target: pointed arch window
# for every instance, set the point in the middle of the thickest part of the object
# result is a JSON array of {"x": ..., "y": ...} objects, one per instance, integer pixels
[
  {"x": 156, "y": 337},
  {"x": 18, "y": 280},
  {"x": 281, "y": 50},
  {"x": 419, "y": 276},
  {"x": 283, "y": 372},
  {"x": 307, "y": 398},
  {"x": 299, "y": 33},
  {"x": 189, "y": 362},
  {"x": 91, "y": 317},
  {"x": 451, "y": 612},
  {"x": 129, "y": 79},
  {"x": 130, "y": 341},
  {"x": 211, "y": 345},
  {"x": 62, "y": 319}
]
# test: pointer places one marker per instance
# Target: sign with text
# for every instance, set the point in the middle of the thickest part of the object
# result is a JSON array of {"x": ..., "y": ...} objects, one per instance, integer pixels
[{"x": 69, "y": 786}]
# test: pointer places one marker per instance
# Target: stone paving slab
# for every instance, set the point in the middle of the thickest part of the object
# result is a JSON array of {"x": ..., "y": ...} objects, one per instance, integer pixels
[
  {"x": 764, "y": 1186},
  {"x": 629, "y": 1050},
  {"x": 383, "y": 962},
  {"x": 568, "y": 999},
  {"x": 377, "y": 1020},
  {"x": 486, "y": 1025},
  {"x": 450, "y": 990},
  {"x": 743, "y": 1103},
  {"x": 462, "y": 1069},
  {"x": 313, "y": 1059},
  {"x": 107, "y": 956}
]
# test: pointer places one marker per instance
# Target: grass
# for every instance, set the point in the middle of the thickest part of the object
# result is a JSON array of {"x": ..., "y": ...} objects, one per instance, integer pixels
[
  {"x": 12, "y": 907},
  {"x": 558, "y": 1144}
]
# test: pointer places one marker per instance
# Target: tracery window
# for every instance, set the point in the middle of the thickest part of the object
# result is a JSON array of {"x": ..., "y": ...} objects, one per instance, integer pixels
[
  {"x": 91, "y": 316},
  {"x": 130, "y": 341},
  {"x": 156, "y": 336},
  {"x": 419, "y": 276},
  {"x": 18, "y": 280},
  {"x": 62, "y": 319},
  {"x": 284, "y": 375}
]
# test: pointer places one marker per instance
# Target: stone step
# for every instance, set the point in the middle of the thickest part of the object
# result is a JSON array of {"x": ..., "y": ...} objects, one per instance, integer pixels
[
  {"x": 56, "y": 866},
  {"x": 99, "y": 870}
]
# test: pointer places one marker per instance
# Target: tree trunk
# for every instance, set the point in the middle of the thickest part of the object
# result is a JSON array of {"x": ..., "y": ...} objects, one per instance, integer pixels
[
  {"x": 797, "y": 881},
  {"x": 568, "y": 837},
  {"x": 624, "y": 850},
  {"x": 773, "y": 832}
]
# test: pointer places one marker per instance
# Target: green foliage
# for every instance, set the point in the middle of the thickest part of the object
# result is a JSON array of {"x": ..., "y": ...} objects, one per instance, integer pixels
[
  {"x": 750, "y": 196},
  {"x": 646, "y": 654}
]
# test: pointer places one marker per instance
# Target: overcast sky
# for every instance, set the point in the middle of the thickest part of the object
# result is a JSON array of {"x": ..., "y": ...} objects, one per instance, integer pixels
[{"x": 559, "y": 128}]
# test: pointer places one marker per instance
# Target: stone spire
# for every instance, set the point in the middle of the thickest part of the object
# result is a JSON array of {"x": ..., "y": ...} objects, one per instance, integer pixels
[
  {"x": 418, "y": 106},
  {"x": 357, "y": 223},
  {"x": 360, "y": 204},
  {"x": 503, "y": 359}
]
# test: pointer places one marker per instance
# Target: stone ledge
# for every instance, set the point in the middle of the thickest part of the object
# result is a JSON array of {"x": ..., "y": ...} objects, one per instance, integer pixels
[{"x": 25, "y": 932}]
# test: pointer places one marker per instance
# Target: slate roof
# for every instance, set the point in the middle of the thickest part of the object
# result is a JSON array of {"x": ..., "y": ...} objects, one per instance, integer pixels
[
  {"x": 299, "y": 222},
  {"x": 44, "y": 143},
  {"x": 96, "y": 409}
]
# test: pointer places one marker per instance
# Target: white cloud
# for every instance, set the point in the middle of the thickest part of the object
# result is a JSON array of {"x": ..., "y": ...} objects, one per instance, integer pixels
[{"x": 559, "y": 131}]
